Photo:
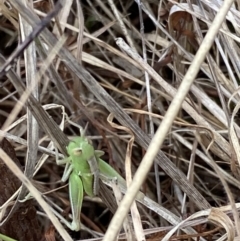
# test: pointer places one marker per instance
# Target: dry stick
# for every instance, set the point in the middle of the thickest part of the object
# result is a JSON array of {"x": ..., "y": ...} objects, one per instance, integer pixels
[
  {"x": 31, "y": 83},
  {"x": 121, "y": 24},
  {"x": 163, "y": 129},
  {"x": 76, "y": 83},
  {"x": 113, "y": 107}
]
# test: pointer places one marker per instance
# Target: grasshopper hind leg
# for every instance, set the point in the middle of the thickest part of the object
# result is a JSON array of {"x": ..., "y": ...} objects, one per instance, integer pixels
[{"x": 76, "y": 198}]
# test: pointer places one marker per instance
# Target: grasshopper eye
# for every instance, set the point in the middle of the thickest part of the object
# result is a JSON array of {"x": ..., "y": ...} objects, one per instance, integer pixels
[{"x": 77, "y": 151}]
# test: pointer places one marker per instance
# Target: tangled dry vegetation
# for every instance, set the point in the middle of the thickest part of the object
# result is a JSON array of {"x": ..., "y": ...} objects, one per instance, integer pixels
[{"x": 120, "y": 66}]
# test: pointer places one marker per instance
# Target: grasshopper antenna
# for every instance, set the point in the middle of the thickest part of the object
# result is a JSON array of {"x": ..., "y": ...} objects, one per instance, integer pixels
[{"x": 83, "y": 131}]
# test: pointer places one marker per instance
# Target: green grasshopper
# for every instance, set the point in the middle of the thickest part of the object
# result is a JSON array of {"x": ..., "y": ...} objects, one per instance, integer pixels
[{"x": 83, "y": 168}]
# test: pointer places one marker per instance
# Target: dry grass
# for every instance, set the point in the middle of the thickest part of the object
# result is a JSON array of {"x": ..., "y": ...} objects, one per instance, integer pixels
[{"x": 173, "y": 80}]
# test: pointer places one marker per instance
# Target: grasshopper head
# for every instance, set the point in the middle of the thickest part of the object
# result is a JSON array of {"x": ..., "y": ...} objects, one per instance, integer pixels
[{"x": 81, "y": 147}]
